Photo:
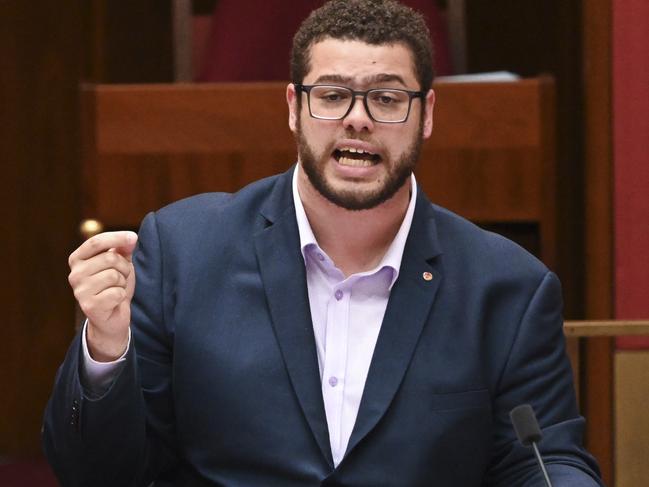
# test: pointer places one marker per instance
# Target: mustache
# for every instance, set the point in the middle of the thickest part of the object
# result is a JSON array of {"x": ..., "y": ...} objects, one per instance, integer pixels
[
  {"x": 354, "y": 135},
  {"x": 348, "y": 133}
]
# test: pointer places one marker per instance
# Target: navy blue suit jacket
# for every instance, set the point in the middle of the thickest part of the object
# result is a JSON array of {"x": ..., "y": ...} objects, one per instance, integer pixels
[{"x": 221, "y": 384}]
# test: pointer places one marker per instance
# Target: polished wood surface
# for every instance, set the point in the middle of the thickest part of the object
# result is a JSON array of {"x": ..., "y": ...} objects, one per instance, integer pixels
[
  {"x": 598, "y": 230},
  {"x": 606, "y": 328}
]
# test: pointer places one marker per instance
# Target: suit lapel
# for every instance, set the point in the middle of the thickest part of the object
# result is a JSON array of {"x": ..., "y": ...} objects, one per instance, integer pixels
[
  {"x": 408, "y": 310},
  {"x": 283, "y": 274}
]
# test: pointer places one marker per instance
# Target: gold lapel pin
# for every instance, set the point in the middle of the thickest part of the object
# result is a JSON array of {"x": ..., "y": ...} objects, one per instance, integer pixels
[{"x": 427, "y": 276}]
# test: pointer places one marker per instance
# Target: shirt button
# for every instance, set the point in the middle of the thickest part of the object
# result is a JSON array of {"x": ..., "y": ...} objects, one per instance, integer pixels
[
  {"x": 320, "y": 257},
  {"x": 339, "y": 295},
  {"x": 333, "y": 381}
]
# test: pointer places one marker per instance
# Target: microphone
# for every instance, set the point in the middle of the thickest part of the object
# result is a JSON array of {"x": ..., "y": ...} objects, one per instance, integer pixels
[{"x": 528, "y": 432}]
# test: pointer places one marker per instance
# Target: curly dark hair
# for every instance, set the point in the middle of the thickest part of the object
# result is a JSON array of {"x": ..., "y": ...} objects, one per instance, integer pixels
[{"x": 371, "y": 21}]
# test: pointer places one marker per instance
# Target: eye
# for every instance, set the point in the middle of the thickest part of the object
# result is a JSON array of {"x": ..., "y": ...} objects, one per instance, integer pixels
[
  {"x": 332, "y": 95},
  {"x": 386, "y": 98}
]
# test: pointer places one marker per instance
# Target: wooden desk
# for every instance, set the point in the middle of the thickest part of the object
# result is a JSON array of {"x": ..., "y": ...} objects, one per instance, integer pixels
[{"x": 491, "y": 156}]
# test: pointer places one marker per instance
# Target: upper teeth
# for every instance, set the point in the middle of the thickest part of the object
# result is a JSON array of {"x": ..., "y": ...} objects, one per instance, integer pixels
[{"x": 354, "y": 150}]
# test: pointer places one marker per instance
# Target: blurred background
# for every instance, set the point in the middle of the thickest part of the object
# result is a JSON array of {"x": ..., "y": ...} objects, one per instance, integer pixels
[{"x": 597, "y": 51}]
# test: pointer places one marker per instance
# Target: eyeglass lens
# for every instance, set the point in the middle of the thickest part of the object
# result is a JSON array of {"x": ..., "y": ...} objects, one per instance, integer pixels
[{"x": 333, "y": 102}]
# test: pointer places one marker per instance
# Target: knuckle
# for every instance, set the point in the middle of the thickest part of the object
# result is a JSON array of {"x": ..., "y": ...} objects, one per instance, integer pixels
[
  {"x": 93, "y": 243},
  {"x": 79, "y": 290},
  {"x": 114, "y": 296},
  {"x": 116, "y": 276},
  {"x": 111, "y": 258},
  {"x": 86, "y": 307}
]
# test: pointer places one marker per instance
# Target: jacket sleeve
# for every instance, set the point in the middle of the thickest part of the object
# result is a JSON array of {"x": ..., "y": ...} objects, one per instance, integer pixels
[
  {"x": 538, "y": 373},
  {"x": 126, "y": 435}
]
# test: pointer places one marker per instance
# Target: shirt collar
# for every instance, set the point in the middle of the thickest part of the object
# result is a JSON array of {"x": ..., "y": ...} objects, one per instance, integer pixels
[{"x": 394, "y": 254}]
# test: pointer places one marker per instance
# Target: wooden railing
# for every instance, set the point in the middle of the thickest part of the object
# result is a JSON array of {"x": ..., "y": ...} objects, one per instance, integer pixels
[{"x": 606, "y": 328}]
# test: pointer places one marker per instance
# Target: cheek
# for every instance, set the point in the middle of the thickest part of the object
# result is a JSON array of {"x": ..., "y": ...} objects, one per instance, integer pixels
[
  {"x": 320, "y": 136},
  {"x": 395, "y": 143},
  {"x": 403, "y": 142}
]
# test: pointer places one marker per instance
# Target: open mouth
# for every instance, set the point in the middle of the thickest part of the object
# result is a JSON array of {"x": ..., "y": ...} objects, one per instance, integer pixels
[{"x": 356, "y": 157}]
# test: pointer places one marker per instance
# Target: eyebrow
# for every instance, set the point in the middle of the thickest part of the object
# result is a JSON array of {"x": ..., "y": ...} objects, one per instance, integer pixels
[{"x": 368, "y": 80}]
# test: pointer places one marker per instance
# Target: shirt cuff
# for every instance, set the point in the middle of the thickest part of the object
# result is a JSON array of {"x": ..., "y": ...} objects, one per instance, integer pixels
[{"x": 96, "y": 377}]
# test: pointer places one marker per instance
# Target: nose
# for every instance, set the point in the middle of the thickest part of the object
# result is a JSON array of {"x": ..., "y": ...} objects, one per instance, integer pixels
[{"x": 358, "y": 119}]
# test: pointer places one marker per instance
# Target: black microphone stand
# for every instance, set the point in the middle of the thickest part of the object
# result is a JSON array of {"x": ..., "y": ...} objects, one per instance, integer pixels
[
  {"x": 541, "y": 464},
  {"x": 528, "y": 432}
]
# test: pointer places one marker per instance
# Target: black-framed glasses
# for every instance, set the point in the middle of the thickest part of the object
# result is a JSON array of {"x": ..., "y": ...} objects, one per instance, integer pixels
[{"x": 385, "y": 105}]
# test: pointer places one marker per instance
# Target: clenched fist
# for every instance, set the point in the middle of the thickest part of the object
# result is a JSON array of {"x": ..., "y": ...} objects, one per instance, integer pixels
[{"x": 103, "y": 280}]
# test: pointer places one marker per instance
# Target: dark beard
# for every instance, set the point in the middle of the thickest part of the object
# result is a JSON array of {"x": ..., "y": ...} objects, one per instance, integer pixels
[{"x": 351, "y": 200}]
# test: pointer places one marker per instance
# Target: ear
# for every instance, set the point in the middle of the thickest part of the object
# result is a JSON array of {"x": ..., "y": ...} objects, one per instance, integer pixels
[
  {"x": 428, "y": 115},
  {"x": 291, "y": 100}
]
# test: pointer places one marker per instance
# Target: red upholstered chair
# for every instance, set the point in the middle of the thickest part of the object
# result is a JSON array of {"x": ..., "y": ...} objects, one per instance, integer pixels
[{"x": 250, "y": 40}]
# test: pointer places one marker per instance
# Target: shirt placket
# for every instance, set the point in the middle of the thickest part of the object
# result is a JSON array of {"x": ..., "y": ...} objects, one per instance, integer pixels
[{"x": 333, "y": 378}]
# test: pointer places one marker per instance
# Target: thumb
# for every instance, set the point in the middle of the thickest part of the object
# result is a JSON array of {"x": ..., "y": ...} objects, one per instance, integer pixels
[{"x": 127, "y": 248}]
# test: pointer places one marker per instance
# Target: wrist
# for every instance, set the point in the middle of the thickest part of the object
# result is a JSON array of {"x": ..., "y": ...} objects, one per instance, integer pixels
[{"x": 106, "y": 347}]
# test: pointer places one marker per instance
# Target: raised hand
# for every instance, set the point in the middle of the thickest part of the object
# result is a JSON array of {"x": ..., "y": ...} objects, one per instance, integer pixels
[{"x": 103, "y": 280}]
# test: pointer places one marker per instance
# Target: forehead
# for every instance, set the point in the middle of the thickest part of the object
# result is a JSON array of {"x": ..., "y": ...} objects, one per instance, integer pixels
[{"x": 360, "y": 61}]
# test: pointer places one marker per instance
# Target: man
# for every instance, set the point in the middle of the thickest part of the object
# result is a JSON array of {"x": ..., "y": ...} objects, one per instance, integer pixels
[{"x": 327, "y": 326}]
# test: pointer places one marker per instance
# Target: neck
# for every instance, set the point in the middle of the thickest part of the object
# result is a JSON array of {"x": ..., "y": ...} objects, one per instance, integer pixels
[{"x": 355, "y": 240}]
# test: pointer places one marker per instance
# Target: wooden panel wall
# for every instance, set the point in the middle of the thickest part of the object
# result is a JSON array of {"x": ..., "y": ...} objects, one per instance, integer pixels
[
  {"x": 572, "y": 40},
  {"x": 39, "y": 66},
  {"x": 129, "y": 41},
  {"x": 531, "y": 37},
  {"x": 597, "y": 389},
  {"x": 46, "y": 49}
]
